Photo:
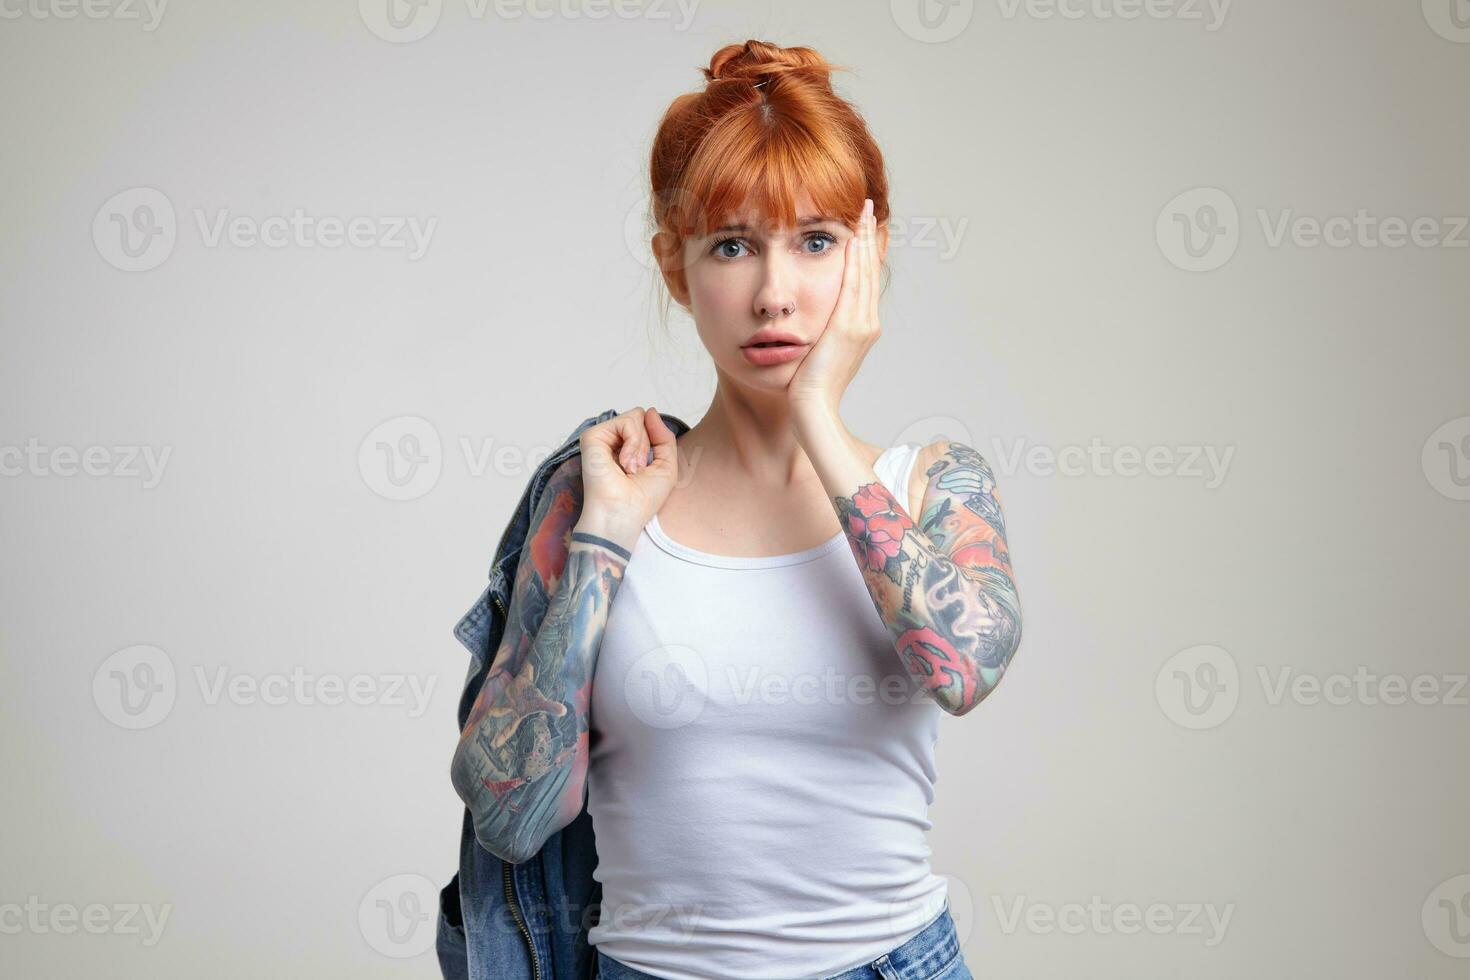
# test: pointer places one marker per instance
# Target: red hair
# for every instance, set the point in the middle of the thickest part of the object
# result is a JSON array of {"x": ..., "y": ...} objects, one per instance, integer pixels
[{"x": 766, "y": 127}]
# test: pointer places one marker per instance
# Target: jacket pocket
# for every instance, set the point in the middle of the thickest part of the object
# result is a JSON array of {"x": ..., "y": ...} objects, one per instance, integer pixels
[{"x": 449, "y": 941}]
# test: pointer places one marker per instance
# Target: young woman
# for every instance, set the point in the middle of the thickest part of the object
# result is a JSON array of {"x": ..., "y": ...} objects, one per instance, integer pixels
[{"x": 747, "y": 707}]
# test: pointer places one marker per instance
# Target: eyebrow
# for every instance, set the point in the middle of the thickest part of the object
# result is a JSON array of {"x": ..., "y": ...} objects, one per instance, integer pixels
[{"x": 813, "y": 219}]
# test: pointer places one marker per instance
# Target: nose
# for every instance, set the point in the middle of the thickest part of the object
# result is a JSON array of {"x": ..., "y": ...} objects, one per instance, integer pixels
[{"x": 777, "y": 294}]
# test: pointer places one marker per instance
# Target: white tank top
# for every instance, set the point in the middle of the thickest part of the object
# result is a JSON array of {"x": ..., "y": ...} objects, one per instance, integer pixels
[{"x": 760, "y": 765}]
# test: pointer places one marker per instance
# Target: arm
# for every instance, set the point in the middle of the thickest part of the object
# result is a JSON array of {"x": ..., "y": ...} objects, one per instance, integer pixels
[
  {"x": 943, "y": 584},
  {"x": 521, "y": 762}
]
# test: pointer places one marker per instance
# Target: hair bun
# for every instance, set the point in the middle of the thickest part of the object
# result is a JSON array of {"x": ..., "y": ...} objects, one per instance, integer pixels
[{"x": 759, "y": 61}]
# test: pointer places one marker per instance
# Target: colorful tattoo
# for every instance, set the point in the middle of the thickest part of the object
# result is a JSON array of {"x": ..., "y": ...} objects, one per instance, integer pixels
[
  {"x": 943, "y": 586},
  {"x": 521, "y": 763}
]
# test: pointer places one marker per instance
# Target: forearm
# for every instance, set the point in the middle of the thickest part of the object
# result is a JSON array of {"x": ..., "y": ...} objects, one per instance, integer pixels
[
  {"x": 521, "y": 763},
  {"x": 954, "y": 626}
]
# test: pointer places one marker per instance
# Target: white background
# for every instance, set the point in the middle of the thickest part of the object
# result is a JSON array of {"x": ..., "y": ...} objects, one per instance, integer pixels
[{"x": 1336, "y": 539}]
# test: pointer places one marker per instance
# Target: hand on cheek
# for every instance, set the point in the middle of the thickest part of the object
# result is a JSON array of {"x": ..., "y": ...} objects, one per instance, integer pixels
[{"x": 850, "y": 332}]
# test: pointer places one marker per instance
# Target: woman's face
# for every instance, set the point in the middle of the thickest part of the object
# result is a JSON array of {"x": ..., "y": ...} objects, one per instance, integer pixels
[{"x": 749, "y": 266}]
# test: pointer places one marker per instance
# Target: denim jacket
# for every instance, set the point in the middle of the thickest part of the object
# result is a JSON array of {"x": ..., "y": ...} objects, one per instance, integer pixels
[{"x": 499, "y": 921}]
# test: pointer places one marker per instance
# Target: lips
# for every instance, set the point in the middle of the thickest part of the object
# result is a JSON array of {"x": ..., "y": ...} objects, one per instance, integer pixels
[
  {"x": 781, "y": 353},
  {"x": 766, "y": 337}
]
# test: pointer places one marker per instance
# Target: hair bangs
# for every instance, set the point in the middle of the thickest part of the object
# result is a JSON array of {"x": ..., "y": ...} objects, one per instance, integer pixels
[{"x": 745, "y": 163}]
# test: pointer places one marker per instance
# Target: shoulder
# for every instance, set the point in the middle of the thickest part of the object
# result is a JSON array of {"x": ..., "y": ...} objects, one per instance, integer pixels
[
  {"x": 945, "y": 456},
  {"x": 919, "y": 475}
]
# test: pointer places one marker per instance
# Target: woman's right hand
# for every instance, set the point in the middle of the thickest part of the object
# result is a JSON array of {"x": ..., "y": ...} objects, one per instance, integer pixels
[{"x": 621, "y": 489}]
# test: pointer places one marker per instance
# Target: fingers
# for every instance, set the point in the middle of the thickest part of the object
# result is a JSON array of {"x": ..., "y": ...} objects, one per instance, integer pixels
[
  {"x": 629, "y": 438},
  {"x": 847, "y": 292},
  {"x": 616, "y": 442},
  {"x": 858, "y": 260},
  {"x": 635, "y": 441},
  {"x": 665, "y": 445}
]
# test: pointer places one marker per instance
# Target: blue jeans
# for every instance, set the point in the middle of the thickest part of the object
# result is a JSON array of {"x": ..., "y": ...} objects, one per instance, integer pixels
[{"x": 932, "y": 954}]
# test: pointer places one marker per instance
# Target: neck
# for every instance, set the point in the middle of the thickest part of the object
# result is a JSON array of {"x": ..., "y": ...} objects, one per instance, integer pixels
[{"x": 748, "y": 434}]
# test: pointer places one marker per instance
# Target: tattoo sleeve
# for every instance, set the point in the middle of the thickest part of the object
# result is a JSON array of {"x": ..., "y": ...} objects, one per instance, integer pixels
[
  {"x": 521, "y": 762},
  {"x": 943, "y": 586}
]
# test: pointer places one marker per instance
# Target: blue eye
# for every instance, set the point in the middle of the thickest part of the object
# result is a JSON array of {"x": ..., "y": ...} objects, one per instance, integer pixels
[{"x": 816, "y": 236}]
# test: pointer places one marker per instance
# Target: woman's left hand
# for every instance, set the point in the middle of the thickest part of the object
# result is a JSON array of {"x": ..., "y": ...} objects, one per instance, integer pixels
[{"x": 817, "y": 387}]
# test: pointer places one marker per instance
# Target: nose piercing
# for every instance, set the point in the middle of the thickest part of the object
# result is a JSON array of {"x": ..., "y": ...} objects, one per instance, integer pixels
[{"x": 787, "y": 309}]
